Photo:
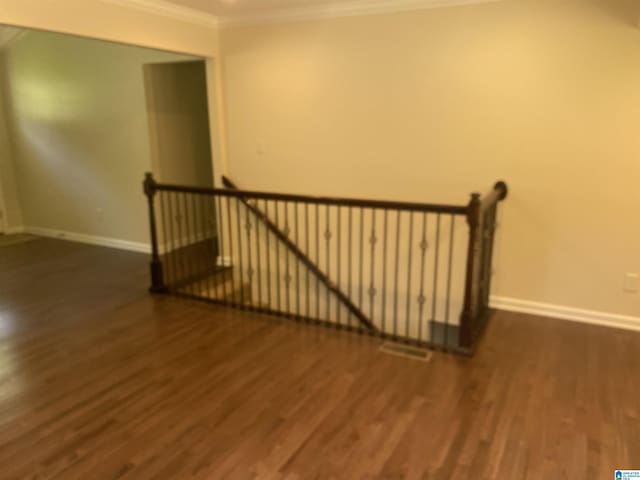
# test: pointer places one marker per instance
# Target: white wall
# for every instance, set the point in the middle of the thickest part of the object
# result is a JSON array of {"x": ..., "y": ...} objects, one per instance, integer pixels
[
  {"x": 431, "y": 105},
  {"x": 80, "y": 131}
]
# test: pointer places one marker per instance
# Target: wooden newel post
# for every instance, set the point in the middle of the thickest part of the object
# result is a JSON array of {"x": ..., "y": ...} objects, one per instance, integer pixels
[
  {"x": 157, "y": 276},
  {"x": 470, "y": 288}
]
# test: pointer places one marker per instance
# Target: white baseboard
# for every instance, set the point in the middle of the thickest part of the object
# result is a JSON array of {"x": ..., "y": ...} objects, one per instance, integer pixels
[
  {"x": 566, "y": 313},
  {"x": 14, "y": 230},
  {"x": 90, "y": 239}
]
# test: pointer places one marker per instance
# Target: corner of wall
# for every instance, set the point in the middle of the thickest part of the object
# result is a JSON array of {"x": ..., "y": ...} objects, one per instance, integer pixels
[{"x": 12, "y": 217}]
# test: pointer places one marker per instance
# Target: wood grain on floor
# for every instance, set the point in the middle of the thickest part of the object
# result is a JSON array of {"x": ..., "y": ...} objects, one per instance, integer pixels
[{"x": 99, "y": 380}]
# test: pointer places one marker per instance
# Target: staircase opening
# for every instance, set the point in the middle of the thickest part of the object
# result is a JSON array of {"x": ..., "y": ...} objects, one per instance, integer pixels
[{"x": 413, "y": 273}]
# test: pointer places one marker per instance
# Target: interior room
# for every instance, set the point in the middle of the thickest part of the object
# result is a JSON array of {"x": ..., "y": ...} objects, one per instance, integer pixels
[
  {"x": 82, "y": 121},
  {"x": 328, "y": 239}
]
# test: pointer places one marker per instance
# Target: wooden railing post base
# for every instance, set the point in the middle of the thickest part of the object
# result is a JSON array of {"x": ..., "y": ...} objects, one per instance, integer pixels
[{"x": 157, "y": 277}]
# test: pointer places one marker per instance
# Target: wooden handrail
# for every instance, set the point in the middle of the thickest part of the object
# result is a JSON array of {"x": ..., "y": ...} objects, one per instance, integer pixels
[
  {"x": 287, "y": 197},
  {"x": 498, "y": 193}
]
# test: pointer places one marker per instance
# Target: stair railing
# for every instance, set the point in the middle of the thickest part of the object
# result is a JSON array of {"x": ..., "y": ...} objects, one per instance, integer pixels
[{"x": 390, "y": 269}]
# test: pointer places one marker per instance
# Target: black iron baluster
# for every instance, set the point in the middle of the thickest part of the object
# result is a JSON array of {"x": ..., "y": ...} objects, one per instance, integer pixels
[
  {"x": 373, "y": 240},
  {"x": 175, "y": 235},
  {"x": 317, "y": 261},
  {"x": 435, "y": 273},
  {"x": 188, "y": 251},
  {"x": 184, "y": 254},
  {"x": 269, "y": 274},
  {"x": 168, "y": 273},
  {"x": 361, "y": 292},
  {"x": 338, "y": 241},
  {"x": 421, "y": 298},
  {"x": 219, "y": 235},
  {"x": 203, "y": 246},
  {"x": 232, "y": 299},
  {"x": 448, "y": 305},
  {"x": 240, "y": 253},
  {"x": 409, "y": 274},
  {"x": 384, "y": 270},
  {"x": 210, "y": 260},
  {"x": 327, "y": 236},
  {"x": 250, "y": 270},
  {"x": 297, "y": 241},
  {"x": 278, "y": 279},
  {"x": 308, "y": 252},
  {"x": 258, "y": 268},
  {"x": 194, "y": 246},
  {"x": 350, "y": 260},
  {"x": 395, "y": 293},
  {"x": 287, "y": 277}
]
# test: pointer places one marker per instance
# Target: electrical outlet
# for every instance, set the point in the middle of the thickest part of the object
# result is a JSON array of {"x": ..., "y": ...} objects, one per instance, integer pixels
[{"x": 631, "y": 283}]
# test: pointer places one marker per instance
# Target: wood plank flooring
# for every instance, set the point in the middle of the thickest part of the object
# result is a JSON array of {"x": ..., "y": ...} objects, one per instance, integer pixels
[{"x": 99, "y": 380}]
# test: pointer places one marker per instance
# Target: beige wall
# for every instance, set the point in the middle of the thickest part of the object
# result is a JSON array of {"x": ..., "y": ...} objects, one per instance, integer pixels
[
  {"x": 176, "y": 96},
  {"x": 9, "y": 200},
  {"x": 112, "y": 20},
  {"x": 79, "y": 126},
  {"x": 434, "y": 104}
]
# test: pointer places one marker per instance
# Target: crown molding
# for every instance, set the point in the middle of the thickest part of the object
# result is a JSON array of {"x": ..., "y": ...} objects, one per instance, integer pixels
[
  {"x": 345, "y": 9},
  {"x": 170, "y": 10}
]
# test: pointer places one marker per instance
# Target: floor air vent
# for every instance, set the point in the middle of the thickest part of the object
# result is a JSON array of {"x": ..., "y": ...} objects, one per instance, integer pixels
[{"x": 406, "y": 351}]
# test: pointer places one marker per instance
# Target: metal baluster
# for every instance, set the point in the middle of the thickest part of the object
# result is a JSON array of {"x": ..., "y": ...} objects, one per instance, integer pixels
[
  {"x": 435, "y": 273},
  {"x": 448, "y": 305},
  {"x": 297, "y": 242},
  {"x": 409, "y": 274},
  {"x": 187, "y": 250},
  {"x": 179, "y": 242},
  {"x": 421, "y": 298},
  {"x": 327, "y": 235},
  {"x": 306, "y": 226},
  {"x": 317, "y": 260},
  {"x": 194, "y": 247},
  {"x": 166, "y": 263},
  {"x": 175, "y": 237},
  {"x": 384, "y": 270},
  {"x": 373, "y": 240},
  {"x": 233, "y": 270},
  {"x": 395, "y": 295},
  {"x": 269, "y": 274},
  {"x": 350, "y": 260},
  {"x": 201, "y": 226},
  {"x": 338, "y": 242},
  {"x": 217, "y": 201},
  {"x": 250, "y": 270},
  {"x": 278, "y": 279},
  {"x": 258, "y": 269},
  {"x": 240, "y": 253},
  {"x": 361, "y": 296},
  {"x": 287, "y": 277}
]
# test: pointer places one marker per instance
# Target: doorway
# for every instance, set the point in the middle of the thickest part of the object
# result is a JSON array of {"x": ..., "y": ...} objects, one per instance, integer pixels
[
  {"x": 181, "y": 153},
  {"x": 178, "y": 113}
]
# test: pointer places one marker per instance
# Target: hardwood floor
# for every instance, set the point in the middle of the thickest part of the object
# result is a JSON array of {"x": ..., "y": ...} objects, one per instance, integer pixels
[{"x": 99, "y": 380}]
